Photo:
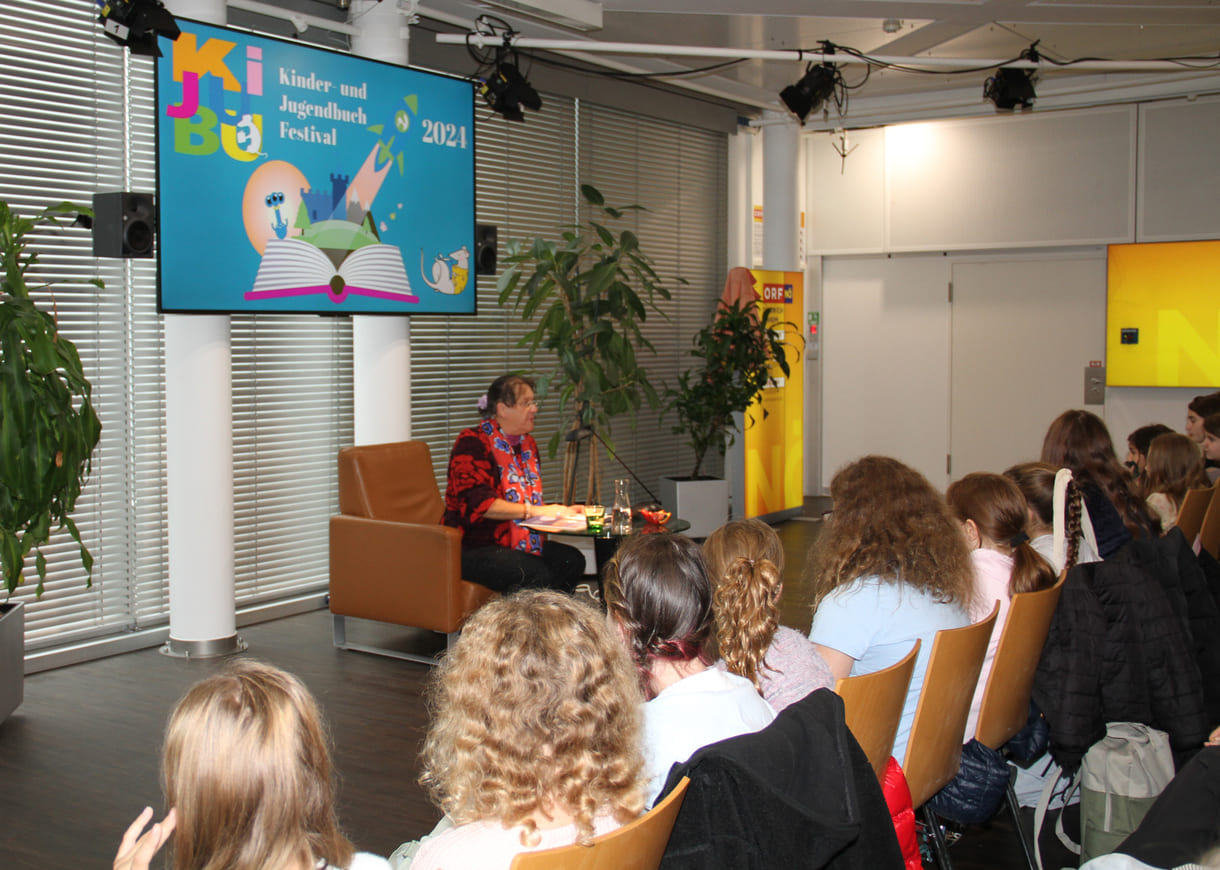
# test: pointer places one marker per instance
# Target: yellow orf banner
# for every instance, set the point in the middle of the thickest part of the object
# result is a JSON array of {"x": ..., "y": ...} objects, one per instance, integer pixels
[{"x": 774, "y": 425}]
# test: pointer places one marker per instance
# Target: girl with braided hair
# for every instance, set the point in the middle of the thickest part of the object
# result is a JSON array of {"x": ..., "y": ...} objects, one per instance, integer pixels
[
  {"x": 1036, "y": 480},
  {"x": 659, "y": 597},
  {"x": 746, "y": 561},
  {"x": 1079, "y": 441}
]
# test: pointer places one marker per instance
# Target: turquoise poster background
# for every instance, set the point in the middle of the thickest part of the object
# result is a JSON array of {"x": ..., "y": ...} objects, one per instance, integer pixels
[{"x": 296, "y": 179}]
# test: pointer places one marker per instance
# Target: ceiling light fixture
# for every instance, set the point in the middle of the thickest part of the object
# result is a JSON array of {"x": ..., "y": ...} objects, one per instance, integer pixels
[
  {"x": 1010, "y": 88},
  {"x": 505, "y": 90},
  {"x": 811, "y": 92}
]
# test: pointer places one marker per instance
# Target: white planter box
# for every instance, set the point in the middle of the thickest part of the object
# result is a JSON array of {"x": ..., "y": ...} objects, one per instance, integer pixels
[
  {"x": 702, "y": 503},
  {"x": 12, "y": 657}
]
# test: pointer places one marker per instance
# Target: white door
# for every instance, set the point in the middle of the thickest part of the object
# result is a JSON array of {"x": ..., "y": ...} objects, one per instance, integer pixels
[{"x": 1023, "y": 333}]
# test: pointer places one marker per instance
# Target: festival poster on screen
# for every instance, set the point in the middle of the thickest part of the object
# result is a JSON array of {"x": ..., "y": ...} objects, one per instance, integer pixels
[{"x": 296, "y": 179}]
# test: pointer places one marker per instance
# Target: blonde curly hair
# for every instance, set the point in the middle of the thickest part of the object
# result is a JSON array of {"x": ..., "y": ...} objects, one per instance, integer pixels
[
  {"x": 746, "y": 561},
  {"x": 890, "y": 522},
  {"x": 535, "y": 710}
]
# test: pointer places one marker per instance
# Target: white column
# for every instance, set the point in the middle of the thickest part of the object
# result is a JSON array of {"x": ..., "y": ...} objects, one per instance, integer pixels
[
  {"x": 381, "y": 345},
  {"x": 199, "y": 471},
  {"x": 740, "y": 206},
  {"x": 781, "y": 195},
  {"x": 781, "y": 233}
]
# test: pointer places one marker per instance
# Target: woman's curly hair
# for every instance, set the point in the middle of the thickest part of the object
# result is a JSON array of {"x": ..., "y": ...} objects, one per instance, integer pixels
[
  {"x": 890, "y": 522},
  {"x": 535, "y": 709},
  {"x": 659, "y": 594},
  {"x": 746, "y": 561}
]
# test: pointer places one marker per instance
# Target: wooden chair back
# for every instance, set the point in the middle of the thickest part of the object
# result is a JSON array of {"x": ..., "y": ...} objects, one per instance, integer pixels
[
  {"x": 873, "y": 707},
  {"x": 934, "y": 749},
  {"x": 637, "y": 845},
  {"x": 1193, "y": 509},
  {"x": 1209, "y": 527},
  {"x": 1005, "y": 708}
]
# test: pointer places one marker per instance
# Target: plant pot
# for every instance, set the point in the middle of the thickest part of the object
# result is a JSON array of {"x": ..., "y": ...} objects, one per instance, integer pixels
[
  {"x": 703, "y": 502},
  {"x": 12, "y": 657}
]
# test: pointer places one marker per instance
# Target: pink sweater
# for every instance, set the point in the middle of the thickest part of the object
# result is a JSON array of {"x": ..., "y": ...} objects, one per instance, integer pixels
[{"x": 992, "y": 574}]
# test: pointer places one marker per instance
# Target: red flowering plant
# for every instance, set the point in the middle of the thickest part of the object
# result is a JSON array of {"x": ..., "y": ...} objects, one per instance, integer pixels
[{"x": 735, "y": 352}]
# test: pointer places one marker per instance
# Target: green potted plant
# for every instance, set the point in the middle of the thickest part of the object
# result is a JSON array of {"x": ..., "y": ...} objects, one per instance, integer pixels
[
  {"x": 48, "y": 430},
  {"x": 735, "y": 353},
  {"x": 588, "y": 296}
]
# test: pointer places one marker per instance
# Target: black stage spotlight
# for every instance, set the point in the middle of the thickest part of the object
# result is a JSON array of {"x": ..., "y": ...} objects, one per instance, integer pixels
[
  {"x": 814, "y": 88},
  {"x": 135, "y": 24},
  {"x": 506, "y": 91},
  {"x": 1010, "y": 88}
]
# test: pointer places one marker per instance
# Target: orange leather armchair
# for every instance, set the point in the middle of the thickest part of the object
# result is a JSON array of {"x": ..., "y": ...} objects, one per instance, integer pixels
[{"x": 391, "y": 560}]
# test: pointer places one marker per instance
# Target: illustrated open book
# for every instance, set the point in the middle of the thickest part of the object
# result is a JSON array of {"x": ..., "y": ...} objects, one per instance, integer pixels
[{"x": 291, "y": 267}]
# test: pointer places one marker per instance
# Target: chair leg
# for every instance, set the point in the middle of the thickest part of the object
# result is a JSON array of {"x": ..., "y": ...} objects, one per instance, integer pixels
[
  {"x": 1015, "y": 809},
  {"x": 940, "y": 849}
]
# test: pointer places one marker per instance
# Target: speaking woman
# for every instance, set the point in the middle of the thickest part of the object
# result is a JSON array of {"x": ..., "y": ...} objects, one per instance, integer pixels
[{"x": 494, "y": 483}]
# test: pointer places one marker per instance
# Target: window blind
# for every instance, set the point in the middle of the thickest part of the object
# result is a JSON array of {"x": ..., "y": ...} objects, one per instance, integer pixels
[
  {"x": 528, "y": 185},
  {"x": 75, "y": 118}
]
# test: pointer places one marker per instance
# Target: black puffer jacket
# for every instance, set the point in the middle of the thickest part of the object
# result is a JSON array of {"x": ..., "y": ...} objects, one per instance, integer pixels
[
  {"x": 1172, "y": 562},
  {"x": 1117, "y": 652}
]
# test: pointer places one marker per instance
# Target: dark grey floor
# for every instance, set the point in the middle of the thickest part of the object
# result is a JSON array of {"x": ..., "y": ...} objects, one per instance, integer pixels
[{"x": 78, "y": 760}]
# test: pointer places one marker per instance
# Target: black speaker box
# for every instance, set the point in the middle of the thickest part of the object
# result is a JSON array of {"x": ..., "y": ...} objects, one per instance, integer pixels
[
  {"x": 124, "y": 224},
  {"x": 485, "y": 249}
]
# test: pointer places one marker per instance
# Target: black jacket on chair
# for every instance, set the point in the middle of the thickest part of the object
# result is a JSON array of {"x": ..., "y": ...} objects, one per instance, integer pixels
[
  {"x": 1172, "y": 563},
  {"x": 799, "y": 793},
  {"x": 1117, "y": 652}
]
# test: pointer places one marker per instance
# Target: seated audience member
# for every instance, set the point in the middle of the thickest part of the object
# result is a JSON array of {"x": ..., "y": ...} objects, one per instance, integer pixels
[
  {"x": 746, "y": 562},
  {"x": 247, "y": 775},
  {"x": 494, "y": 483},
  {"x": 535, "y": 734},
  {"x": 1175, "y": 465},
  {"x": 1037, "y": 482},
  {"x": 1137, "y": 448},
  {"x": 659, "y": 596},
  {"x": 890, "y": 568},
  {"x": 992, "y": 513},
  {"x": 1211, "y": 446},
  {"x": 1080, "y": 442},
  {"x": 1199, "y": 409}
]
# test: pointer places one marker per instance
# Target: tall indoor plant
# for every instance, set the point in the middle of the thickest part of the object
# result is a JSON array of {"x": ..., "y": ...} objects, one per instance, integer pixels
[
  {"x": 48, "y": 427},
  {"x": 588, "y": 296},
  {"x": 734, "y": 355}
]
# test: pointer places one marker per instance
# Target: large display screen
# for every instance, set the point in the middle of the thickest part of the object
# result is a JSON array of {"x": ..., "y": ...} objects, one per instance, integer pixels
[
  {"x": 1163, "y": 315},
  {"x": 296, "y": 179}
]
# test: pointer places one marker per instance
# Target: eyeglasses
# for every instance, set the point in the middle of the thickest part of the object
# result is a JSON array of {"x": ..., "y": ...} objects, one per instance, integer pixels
[{"x": 532, "y": 403}]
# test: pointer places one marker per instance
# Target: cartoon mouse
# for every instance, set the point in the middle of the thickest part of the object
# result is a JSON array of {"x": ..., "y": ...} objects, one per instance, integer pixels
[{"x": 448, "y": 278}]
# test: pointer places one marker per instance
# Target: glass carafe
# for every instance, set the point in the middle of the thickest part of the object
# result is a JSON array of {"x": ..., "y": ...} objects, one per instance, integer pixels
[{"x": 620, "y": 519}]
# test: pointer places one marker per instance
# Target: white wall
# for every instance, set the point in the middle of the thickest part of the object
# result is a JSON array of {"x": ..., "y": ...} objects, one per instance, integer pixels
[{"x": 994, "y": 184}]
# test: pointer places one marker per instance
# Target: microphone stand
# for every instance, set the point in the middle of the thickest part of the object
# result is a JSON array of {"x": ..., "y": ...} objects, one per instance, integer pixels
[{"x": 581, "y": 433}]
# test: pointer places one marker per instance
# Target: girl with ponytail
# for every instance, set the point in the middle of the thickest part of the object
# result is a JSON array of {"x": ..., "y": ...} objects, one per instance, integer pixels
[
  {"x": 746, "y": 561},
  {"x": 992, "y": 513},
  {"x": 659, "y": 598}
]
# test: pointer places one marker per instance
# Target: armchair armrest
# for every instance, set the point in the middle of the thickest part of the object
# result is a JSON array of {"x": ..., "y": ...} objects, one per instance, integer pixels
[{"x": 402, "y": 573}]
